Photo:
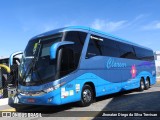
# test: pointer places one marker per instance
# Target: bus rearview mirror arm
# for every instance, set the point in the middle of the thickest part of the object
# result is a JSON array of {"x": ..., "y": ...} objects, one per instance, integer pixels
[{"x": 55, "y": 46}]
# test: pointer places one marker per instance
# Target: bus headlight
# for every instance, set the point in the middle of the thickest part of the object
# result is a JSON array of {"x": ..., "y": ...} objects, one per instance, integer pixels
[{"x": 51, "y": 88}]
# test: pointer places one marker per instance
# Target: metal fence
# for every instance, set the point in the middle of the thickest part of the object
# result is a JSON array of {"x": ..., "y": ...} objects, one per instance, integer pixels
[{"x": 8, "y": 82}]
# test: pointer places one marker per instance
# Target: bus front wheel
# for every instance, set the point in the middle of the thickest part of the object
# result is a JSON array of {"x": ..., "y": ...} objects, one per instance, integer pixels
[{"x": 86, "y": 96}]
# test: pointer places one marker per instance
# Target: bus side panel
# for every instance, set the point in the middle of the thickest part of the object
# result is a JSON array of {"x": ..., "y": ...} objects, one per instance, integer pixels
[
  {"x": 119, "y": 74},
  {"x": 108, "y": 77},
  {"x": 71, "y": 91},
  {"x": 134, "y": 71}
]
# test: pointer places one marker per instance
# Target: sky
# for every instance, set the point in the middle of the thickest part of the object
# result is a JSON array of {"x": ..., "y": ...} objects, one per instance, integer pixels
[{"x": 133, "y": 20}]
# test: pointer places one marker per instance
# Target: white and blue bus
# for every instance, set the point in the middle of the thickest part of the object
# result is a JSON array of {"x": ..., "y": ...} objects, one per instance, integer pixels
[{"x": 76, "y": 63}]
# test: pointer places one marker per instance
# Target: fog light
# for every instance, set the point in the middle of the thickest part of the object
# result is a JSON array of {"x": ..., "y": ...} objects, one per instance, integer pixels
[{"x": 50, "y": 99}]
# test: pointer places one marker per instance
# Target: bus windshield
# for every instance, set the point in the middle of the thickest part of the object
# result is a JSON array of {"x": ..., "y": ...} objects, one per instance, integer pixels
[{"x": 36, "y": 65}]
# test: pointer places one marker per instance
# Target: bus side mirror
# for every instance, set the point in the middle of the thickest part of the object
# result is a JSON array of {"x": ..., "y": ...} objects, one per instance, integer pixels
[
  {"x": 55, "y": 46},
  {"x": 12, "y": 56}
]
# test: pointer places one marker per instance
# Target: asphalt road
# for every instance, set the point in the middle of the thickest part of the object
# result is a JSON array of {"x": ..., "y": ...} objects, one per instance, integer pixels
[{"x": 148, "y": 100}]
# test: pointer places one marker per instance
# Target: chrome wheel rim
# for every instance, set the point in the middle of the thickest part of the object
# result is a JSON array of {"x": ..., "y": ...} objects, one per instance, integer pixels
[
  {"x": 147, "y": 83},
  {"x": 87, "y": 95},
  {"x": 142, "y": 85}
]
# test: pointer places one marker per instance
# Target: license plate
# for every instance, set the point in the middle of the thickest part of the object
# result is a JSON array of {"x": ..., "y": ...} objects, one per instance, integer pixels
[{"x": 31, "y": 100}]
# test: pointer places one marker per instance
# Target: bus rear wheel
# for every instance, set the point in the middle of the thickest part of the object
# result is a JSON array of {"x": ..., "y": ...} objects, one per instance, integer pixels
[
  {"x": 87, "y": 96},
  {"x": 142, "y": 85},
  {"x": 147, "y": 84}
]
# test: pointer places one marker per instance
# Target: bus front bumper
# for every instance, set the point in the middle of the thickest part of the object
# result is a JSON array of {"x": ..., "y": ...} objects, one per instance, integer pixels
[{"x": 51, "y": 98}]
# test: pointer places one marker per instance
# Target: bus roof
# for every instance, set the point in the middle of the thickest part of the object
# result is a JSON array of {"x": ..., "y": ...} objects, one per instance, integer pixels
[{"x": 87, "y": 29}]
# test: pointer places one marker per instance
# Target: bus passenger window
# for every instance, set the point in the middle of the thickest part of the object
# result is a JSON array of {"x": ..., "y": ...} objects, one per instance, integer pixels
[
  {"x": 126, "y": 51},
  {"x": 94, "y": 47},
  {"x": 99, "y": 46}
]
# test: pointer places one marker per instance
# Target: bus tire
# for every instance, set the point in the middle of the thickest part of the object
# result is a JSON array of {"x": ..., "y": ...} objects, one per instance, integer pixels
[
  {"x": 147, "y": 84},
  {"x": 87, "y": 96},
  {"x": 142, "y": 85}
]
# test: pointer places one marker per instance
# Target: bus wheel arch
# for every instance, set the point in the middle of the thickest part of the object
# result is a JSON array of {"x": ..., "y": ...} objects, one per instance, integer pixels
[
  {"x": 142, "y": 84},
  {"x": 147, "y": 83},
  {"x": 88, "y": 90}
]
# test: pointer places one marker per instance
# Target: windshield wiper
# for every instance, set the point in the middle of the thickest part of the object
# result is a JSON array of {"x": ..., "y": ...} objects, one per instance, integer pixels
[{"x": 32, "y": 64}]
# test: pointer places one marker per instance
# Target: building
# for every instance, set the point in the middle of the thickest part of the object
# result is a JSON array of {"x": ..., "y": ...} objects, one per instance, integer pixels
[{"x": 157, "y": 61}]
